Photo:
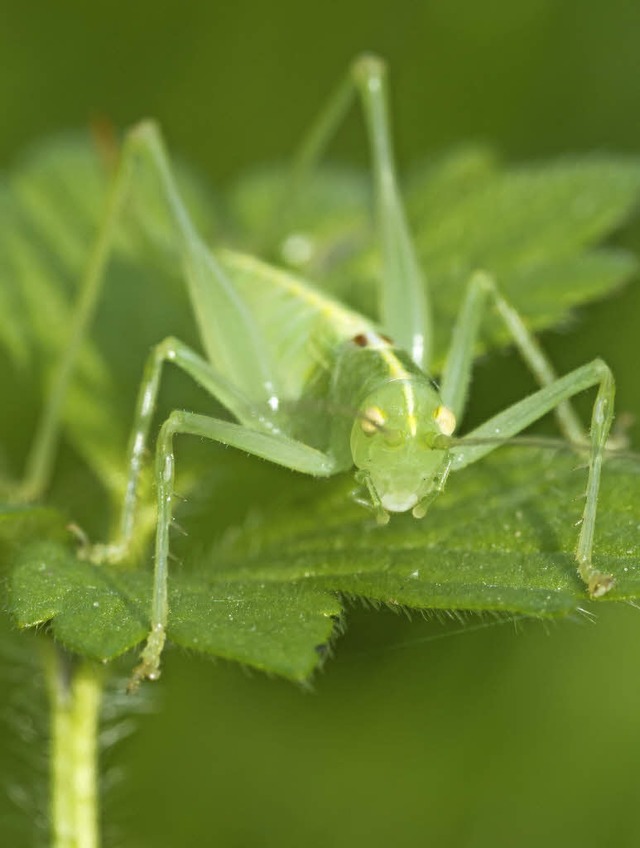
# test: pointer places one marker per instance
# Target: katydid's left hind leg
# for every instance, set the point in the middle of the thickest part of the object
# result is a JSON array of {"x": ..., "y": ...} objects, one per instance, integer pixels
[
  {"x": 404, "y": 302},
  {"x": 271, "y": 446},
  {"x": 403, "y": 297}
]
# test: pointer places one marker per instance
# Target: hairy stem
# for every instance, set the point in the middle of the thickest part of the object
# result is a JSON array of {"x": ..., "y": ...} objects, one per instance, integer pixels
[{"x": 75, "y": 690}]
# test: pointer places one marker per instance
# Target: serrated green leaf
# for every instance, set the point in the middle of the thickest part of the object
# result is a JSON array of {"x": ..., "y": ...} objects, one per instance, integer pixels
[
  {"x": 97, "y": 612},
  {"x": 531, "y": 214},
  {"x": 277, "y": 626},
  {"x": 499, "y": 540},
  {"x": 101, "y": 612},
  {"x": 436, "y": 187},
  {"x": 326, "y": 207},
  {"x": 13, "y": 334}
]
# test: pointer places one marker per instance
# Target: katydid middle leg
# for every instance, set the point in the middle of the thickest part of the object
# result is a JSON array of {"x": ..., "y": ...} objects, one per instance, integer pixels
[
  {"x": 456, "y": 375},
  {"x": 183, "y": 357}
]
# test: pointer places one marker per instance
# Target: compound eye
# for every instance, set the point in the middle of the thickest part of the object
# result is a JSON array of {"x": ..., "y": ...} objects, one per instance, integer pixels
[
  {"x": 372, "y": 421},
  {"x": 445, "y": 419}
]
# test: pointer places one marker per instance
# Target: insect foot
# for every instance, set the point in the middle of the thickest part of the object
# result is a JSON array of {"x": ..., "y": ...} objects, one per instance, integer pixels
[
  {"x": 149, "y": 667},
  {"x": 599, "y": 584},
  {"x": 368, "y": 69},
  {"x": 100, "y": 554}
]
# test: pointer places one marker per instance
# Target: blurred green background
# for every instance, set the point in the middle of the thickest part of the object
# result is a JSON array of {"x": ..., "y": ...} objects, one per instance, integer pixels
[{"x": 416, "y": 733}]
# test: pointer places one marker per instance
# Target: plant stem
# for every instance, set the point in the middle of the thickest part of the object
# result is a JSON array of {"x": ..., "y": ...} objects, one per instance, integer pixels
[{"x": 75, "y": 690}]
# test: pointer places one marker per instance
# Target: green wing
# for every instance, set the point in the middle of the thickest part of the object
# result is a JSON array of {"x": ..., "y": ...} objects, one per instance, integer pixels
[{"x": 301, "y": 326}]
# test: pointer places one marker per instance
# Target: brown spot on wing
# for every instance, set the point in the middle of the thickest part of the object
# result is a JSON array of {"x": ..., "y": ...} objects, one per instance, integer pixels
[{"x": 366, "y": 340}]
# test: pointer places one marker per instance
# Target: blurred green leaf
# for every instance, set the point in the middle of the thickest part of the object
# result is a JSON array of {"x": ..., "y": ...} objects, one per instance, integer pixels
[
  {"x": 533, "y": 227},
  {"x": 101, "y": 612},
  {"x": 19, "y": 525},
  {"x": 51, "y": 206}
]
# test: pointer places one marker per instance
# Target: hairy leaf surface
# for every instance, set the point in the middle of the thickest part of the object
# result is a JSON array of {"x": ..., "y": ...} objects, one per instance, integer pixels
[{"x": 268, "y": 593}]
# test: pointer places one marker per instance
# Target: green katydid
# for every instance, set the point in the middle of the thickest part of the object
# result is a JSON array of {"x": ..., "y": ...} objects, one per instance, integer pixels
[{"x": 282, "y": 357}]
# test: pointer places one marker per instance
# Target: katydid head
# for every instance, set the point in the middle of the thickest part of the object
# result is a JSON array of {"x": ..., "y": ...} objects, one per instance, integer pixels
[{"x": 400, "y": 442}]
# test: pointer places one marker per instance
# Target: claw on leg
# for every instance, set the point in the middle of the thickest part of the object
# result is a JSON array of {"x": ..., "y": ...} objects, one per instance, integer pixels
[
  {"x": 104, "y": 554},
  {"x": 149, "y": 666},
  {"x": 599, "y": 584}
]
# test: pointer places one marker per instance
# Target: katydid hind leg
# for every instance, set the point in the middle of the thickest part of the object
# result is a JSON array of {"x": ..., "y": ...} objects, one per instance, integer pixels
[
  {"x": 219, "y": 310},
  {"x": 270, "y": 446},
  {"x": 221, "y": 315},
  {"x": 404, "y": 303},
  {"x": 520, "y": 415}
]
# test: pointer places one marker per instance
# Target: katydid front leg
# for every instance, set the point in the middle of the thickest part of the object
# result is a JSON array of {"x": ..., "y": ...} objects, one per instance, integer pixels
[
  {"x": 273, "y": 447},
  {"x": 554, "y": 396},
  {"x": 516, "y": 418}
]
